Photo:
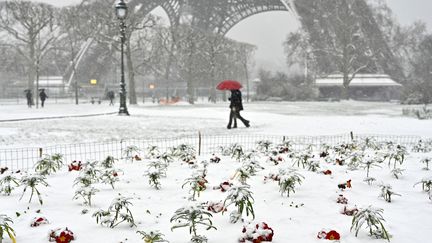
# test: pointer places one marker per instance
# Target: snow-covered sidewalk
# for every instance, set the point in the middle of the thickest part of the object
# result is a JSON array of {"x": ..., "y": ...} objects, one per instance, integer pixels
[
  {"x": 154, "y": 121},
  {"x": 22, "y": 112}
]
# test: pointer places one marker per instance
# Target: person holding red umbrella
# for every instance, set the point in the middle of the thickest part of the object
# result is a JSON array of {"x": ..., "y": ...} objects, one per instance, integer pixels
[{"x": 236, "y": 104}]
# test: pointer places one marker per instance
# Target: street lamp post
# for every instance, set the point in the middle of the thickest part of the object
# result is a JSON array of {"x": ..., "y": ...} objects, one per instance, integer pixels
[{"x": 121, "y": 12}]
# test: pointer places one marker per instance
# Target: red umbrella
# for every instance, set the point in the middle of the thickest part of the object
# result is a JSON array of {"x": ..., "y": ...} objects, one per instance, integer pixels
[{"x": 229, "y": 85}]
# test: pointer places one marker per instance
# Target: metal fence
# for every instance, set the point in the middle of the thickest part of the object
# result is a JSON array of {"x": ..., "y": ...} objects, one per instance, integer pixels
[{"x": 25, "y": 158}]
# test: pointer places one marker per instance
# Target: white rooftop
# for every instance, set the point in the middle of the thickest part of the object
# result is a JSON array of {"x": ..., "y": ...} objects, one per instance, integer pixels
[
  {"x": 50, "y": 81},
  {"x": 360, "y": 80}
]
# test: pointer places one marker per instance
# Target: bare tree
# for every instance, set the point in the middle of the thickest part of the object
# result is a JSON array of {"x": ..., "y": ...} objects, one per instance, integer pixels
[
  {"x": 102, "y": 18},
  {"x": 346, "y": 43},
  {"x": 32, "y": 26}
]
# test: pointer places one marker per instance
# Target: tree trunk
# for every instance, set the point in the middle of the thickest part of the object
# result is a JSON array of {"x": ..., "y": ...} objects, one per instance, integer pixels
[
  {"x": 190, "y": 90},
  {"x": 32, "y": 71},
  {"x": 131, "y": 75},
  {"x": 212, "y": 97},
  {"x": 345, "y": 86}
]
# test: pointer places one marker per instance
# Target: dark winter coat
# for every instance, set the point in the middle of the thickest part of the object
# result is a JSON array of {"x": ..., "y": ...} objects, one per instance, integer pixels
[
  {"x": 111, "y": 95},
  {"x": 236, "y": 100},
  {"x": 28, "y": 95},
  {"x": 43, "y": 95}
]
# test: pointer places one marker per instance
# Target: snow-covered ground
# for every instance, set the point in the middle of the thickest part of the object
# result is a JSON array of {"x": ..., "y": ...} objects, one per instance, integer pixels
[
  {"x": 297, "y": 218},
  {"x": 407, "y": 218},
  {"x": 292, "y": 118}
]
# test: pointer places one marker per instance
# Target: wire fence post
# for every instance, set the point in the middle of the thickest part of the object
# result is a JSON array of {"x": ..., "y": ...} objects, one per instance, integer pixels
[
  {"x": 40, "y": 152},
  {"x": 121, "y": 149},
  {"x": 199, "y": 143},
  {"x": 352, "y": 135}
]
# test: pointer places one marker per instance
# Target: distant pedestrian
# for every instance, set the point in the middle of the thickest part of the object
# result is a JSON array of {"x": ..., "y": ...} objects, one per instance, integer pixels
[
  {"x": 29, "y": 97},
  {"x": 236, "y": 106},
  {"x": 111, "y": 96},
  {"x": 43, "y": 96}
]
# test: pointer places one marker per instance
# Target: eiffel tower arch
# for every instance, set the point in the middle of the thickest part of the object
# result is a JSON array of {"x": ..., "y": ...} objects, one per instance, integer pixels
[{"x": 217, "y": 16}]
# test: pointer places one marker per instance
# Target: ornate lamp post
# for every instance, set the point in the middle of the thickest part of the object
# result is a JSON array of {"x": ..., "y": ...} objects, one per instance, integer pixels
[{"x": 121, "y": 12}]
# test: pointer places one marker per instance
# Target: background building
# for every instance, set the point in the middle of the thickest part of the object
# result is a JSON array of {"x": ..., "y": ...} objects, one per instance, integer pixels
[{"x": 371, "y": 87}]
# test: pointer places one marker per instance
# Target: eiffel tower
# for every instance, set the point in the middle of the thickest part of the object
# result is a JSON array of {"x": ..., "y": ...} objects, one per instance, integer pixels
[{"x": 219, "y": 16}]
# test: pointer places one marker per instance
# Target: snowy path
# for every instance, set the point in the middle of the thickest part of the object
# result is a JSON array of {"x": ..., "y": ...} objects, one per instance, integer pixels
[{"x": 149, "y": 121}]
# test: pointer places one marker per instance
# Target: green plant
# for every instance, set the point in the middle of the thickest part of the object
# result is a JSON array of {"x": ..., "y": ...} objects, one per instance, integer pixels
[
  {"x": 374, "y": 222},
  {"x": 426, "y": 184},
  {"x": 154, "y": 175},
  {"x": 91, "y": 170},
  {"x": 49, "y": 164},
  {"x": 160, "y": 165},
  {"x": 109, "y": 176},
  {"x": 397, "y": 172},
  {"x": 241, "y": 197},
  {"x": 426, "y": 161},
  {"x": 398, "y": 155},
  {"x": 117, "y": 213},
  {"x": 197, "y": 183},
  {"x": 86, "y": 194},
  {"x": 84, "y": 180},
  {"x": 251, "y": 167},
  {"x": 264, "y": 146},
  {"x": 302, "y": 158},
  {"x": 285, "y": 147},
  {"x": 89, "y": 175},
  {"x": 369, "y": 180},
  {"x": 8, "y": 184},
  {"x": 185, "y": 153},
  {"x": 166, "y": 158},
  {"x": 370, "y": 163},
  {"x": 152, "y": 152},
  {"x": 355, "y": 159},
  {"x": 5, "y": 227},
  {"x": 108, "y": 162},
  {"x": 242, "y": 174},
  {"x": 237, "y": 151},
  {"x": 371, "y": 143},
  {"x": 192, "y": 216},
  {"x": 32, "y": 181},
  {"x": 387, "y": 192},
  {"x": 288, "y": 181},
  {"x": 313, "y": 165},
  {"x": 129, "y": 152},
  {"x": 152, "y": 236}
]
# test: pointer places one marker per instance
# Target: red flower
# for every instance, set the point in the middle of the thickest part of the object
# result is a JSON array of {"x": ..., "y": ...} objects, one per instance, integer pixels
[
  {"x": 327, "y": 172},
  {"x": 332, "y": 235},
  {"x": 39, "y": 221},
  {"x": 61, "y": 236},
  {"x": 64, "y": 237},
  {"x": 115, "y": 174},
  {"x": 75, "y": 166},
  {"x": 252, "y": 237},
  {"x": 348, "y": 183}
]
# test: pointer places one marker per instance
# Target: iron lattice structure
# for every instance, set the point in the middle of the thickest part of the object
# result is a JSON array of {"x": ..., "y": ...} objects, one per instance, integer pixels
[{"x": 217, "y": 16}]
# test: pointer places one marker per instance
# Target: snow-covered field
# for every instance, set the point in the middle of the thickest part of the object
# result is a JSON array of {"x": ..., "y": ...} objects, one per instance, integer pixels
[
  {"x": 407, "y": 217},
  {"x": 296, "y": 118},
  {"x": 297, "y": 218}
]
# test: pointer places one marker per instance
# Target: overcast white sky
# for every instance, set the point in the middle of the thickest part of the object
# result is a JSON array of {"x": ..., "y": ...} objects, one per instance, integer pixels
[{"x": 268, "y": 30}]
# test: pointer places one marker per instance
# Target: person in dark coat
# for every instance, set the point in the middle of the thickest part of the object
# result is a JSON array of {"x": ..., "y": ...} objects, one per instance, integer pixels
[
  {"x": 29, "y": 97},
  {"x": 111, "y": 96},
  {"x": 43, "y": 96},
  {"x": 236, "y": 105}
]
